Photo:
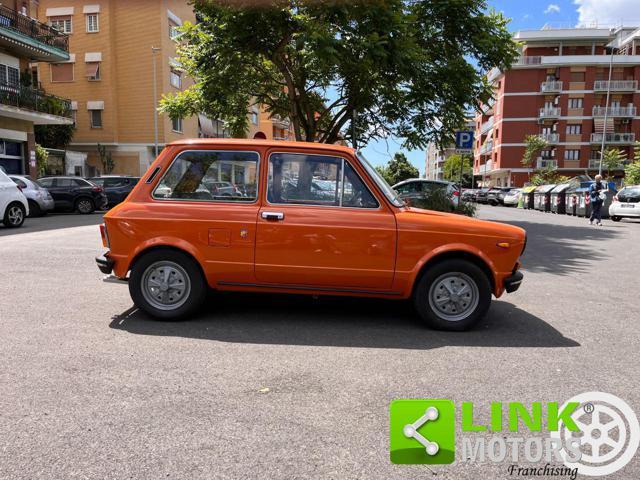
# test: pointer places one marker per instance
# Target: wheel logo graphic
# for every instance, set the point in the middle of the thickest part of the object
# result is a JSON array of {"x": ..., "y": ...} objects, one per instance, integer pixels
[{"x": 609, "y": 433}]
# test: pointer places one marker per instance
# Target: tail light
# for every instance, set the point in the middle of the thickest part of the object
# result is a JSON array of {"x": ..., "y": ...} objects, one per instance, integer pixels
[
  {"x": 456, "y": 193},
  {"x": 19, "y": 187},
  {"x": 96, "y": 189},
  {"x": 104, "y": 235}
]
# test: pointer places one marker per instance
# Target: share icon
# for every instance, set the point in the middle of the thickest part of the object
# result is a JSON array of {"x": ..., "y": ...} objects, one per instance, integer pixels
[{"x": 410, "y": 430}]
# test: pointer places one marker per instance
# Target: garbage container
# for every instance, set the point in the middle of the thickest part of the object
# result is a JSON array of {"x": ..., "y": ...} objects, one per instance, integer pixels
[
  {"x": 559, "y": 198},
  {"x": 571, "y": 200},
  {"x": 583, "y": 204},
  {"x": 542, "y": 199},
  {"x": 528, "y": 197}
]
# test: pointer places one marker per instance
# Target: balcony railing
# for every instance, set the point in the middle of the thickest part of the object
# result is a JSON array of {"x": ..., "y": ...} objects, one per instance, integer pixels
[
  {"x": 546, "y": 163},
  {"x": 549, "y": 112},
  {"x": 551, "y": 86},
  {"x": 34, "y": 99},
  {"x": 486, "y": 148},
  {"x": 616, "y": 85},
  {"x": 487, "y": 167},
  {"x": 12, "y": 20},
  {"x": 594, "y": 164},
  {"x": 529, "y": 60},
  {"x": 550, "y": 137},
  {"x": 628, "y": 111},
  {"x": 487, "y": 108},
  {"x": 614, "y": 138},
  {"x": 486, "y": 126}
]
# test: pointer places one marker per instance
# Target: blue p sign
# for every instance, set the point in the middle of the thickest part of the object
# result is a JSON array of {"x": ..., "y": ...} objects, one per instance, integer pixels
[{"x": 464, "y": 140}]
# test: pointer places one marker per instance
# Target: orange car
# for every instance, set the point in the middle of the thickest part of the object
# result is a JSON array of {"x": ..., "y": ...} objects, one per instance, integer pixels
[{"x": 273, "y": 216}]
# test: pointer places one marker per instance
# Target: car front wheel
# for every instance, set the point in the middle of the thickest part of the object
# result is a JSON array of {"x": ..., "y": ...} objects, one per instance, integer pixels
[
  {"x": 453, "y": 295},
  {"x": 167, "y": 284},
  {"x": 14, "y": 215},
  {"x": 616, "y": 218}
]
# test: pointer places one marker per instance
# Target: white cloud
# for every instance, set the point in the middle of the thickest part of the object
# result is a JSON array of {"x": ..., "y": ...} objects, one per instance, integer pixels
[
  {"x": 552, "y": 8},
  {"x": 607, "y": 12}
]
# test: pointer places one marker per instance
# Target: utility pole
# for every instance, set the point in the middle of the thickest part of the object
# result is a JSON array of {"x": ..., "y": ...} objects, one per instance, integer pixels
[{"x": 155, "y": 50}]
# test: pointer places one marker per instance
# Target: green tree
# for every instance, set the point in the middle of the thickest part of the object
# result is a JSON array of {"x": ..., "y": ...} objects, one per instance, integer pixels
[
  {"x": 547, "y": 176},
  {"x": 376, "y": 68},
  {"x": 534, "y": 144},
  {"x": 42, "y": 156},
  {"x": 105, "y": 159},
  {"x": 452, "y": 167},
  {"x": 613, "y": 159},
  {"x": 632, "y": 170},
  {"x": 54, "y": 136},
  {"x": 398, "y": 169}
]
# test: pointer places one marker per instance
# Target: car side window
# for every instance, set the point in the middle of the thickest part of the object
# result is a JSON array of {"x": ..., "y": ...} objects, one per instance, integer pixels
[
  {"x": 19, "y": 182},
  {"x": 63, "y": 182},
  {"x": 77, "y": 182},
  {"x": 210, "y": 175},
  {"x": 305, "y": 179},
  {"x": 46, "y": 182}
]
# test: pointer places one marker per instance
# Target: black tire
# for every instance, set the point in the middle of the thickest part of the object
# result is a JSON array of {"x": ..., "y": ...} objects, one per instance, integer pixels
[
  {"x": 84, "y": 205},
  {"x": 193, "y": 298},
  {"x": 616, "y": 218},
  {"x": 13, "y": 218},
  {"x": 466, "y": 274},
  {"x": 34, "y": 209}
]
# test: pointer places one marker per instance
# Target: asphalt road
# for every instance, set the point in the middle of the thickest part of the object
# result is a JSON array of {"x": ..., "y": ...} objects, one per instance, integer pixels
[{"x": 265, "y": 386}]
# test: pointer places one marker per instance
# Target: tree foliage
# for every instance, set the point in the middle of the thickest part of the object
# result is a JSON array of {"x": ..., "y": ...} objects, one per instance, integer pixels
[
  {"x": 105, "y": 159},
  {"x": 613, "y": 159},
  {"x": 547, "y": 176},
  {"x": 42, "y": 156},
  {"x": 452, "y": 167},
  {"x": 398, "y": 169},
  {"x": 534, "y": 144},
  {"x": 398, "y": 67},
  {"x": 632, "y": 170},
  {"x": 54, "y": 136}
]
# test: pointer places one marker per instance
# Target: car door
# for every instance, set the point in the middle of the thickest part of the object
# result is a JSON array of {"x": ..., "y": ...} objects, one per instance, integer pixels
[
  {"x": 60, "y": 191},
  {"x": 321, "y": 226}
]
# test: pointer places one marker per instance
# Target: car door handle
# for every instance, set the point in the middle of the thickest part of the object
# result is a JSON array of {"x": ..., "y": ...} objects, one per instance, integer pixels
[{"x": 273, "y": 215}]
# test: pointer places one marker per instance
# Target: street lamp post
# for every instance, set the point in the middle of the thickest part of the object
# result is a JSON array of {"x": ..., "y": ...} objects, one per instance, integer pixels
[
  {"x": 606, "y": 111},
  {"x": 155, "y": 50}
]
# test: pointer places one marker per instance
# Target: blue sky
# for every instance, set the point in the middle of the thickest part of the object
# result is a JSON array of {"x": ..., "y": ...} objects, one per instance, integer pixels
[{"x": 531, "y": 14}]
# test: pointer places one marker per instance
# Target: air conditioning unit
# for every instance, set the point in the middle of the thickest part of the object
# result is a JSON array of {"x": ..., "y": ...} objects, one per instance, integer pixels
[{"x": 625, "y": 121}]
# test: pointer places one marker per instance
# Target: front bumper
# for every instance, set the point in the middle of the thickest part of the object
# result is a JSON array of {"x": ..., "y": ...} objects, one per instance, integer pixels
[
  {"x": 512, "y": 282},
  {"x": 105, "y": 264}
]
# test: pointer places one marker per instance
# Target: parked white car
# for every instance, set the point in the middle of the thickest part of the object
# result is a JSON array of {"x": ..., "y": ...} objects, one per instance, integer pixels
[
  {"x": 13, "y": 204},
  {"x": 626, "y": 204},
  {"x": 39, "y": 199},
  {"x": 512, "y": 197}
]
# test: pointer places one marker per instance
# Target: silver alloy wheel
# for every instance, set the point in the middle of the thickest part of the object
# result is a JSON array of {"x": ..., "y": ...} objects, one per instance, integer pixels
[
  {"x": 165, "y": 285},
  {"x": 84, "y": 205},
  {"x": 453, "y": 296},
  {"x": 15, "y": 215}
]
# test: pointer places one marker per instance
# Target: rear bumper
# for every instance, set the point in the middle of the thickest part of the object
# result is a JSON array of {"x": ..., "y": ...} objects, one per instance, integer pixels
[
  {"x": 512, "y": 282},
  {"x": 105, "y": 264}
]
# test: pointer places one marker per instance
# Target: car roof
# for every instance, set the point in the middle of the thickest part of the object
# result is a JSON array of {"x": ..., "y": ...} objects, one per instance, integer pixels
[
  {"x": 261, "y": 143},
  {"x": 424, "y": 180}
]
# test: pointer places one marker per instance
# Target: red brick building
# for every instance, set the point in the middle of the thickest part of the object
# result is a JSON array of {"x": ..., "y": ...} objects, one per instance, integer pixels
[{"x": 558, "y": 90}]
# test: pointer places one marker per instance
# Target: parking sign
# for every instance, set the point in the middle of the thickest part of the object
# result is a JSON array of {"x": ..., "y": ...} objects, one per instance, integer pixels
[{"x": 464, "y": 140}]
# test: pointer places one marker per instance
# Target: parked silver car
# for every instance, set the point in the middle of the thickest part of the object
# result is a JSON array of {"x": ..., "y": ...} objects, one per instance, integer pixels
[{"x": 39, "y": 198}]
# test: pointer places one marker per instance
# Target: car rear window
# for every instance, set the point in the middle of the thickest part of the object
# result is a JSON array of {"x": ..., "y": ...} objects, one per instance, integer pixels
[{"x": 629, "y": 194}]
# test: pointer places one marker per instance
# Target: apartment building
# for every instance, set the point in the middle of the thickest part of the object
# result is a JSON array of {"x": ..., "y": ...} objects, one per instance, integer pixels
[
  {"x": 23, "y": 103},
  {"x": 558, "y": 89},
  {"x": 436, "y": 156}
]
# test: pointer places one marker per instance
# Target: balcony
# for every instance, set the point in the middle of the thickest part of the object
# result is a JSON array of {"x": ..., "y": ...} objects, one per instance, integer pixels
[
  {"x": 594, "y": 164},
  {"x": 31, "y": 39},
  {"x": 616, "y": 85},
  {"x": 549, "y": 112},
  {"x": 614, "y": 138},
  {"x": 486, "y": 126},
  {"x": 550, "y": 137},
  {"x": 487, "y": 109},
  {"x": 551, "y": 86},
  {"x": 546, "y": 163},
  {"x": 32, "y": 104},
  {"x": 628, "y": 111},
  {"x": 486, "y": 168},
  {"x": 528, "y": 60},
  {"x": 486, "y": 148},
  {"x": 280, "y": 122}
]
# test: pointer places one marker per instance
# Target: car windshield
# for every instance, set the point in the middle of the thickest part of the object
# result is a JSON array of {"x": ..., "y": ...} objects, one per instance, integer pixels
[
  {"x": 629, "y": 193},
  {"x": 382, "y": 184}
]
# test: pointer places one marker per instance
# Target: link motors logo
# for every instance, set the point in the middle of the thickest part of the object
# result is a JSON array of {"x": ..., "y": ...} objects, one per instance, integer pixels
[
  {"x": 609, "y": 434},
  {"x": 593, "y": 434}
]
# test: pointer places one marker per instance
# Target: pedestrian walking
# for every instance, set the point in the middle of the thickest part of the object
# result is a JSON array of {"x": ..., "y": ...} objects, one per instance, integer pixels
[{"x": 597, "y": 195}]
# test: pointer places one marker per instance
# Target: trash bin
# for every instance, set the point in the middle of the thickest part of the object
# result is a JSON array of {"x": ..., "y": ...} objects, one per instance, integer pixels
[
  {"x": 542, "y": 199},
  {"x": 571, "y": 200},
  {"x": 528, "y": 197},
  {"x": 559, "y": 198},
  {"x": 583, "y": 204}
]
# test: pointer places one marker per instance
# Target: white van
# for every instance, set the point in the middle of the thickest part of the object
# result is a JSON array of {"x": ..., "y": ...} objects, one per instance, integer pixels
[{"x": 13, "y": 204}]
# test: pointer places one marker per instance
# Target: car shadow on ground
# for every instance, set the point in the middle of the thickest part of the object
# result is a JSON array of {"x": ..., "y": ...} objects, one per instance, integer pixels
[
  {"x": 340, "y": 322},
  {"x": 562, "y": 249},
  {"x": 54, "y": 221}
]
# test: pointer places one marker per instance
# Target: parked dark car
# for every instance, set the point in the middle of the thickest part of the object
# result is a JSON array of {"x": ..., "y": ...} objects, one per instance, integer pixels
[
  {"x": 418, "y": 188},
  {"x": 495, "y": 196},
  {"x": 75, "y": 193},
  {"x": 116, "y": 187},
  {"x": 482, "y": 195}
]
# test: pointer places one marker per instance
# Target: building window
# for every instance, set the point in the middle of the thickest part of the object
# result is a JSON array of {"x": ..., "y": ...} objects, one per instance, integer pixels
[
  {"x": 575, "y": 103},
  {"x": 62, "y": 72},
  {"x": 62, "y": 24},
  {"x": 9, "y": 75},
  {"x": 572, "y": 154},
  {"x": 92, "y": 23},
  {"x": 176, "y": 125},
  {"x": 574, "y": 129},
  {"x": 93, "y": 71},
  {"x": 254, "y": 116},
  {"x": 173, "y": 30},
  {"x": 577, "y": 76},
  {"x": 96, "y": 118},
  {"x": 175, "y": 78}
]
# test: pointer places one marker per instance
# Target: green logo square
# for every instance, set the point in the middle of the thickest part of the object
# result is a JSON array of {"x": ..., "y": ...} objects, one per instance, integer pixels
[{"x": 422, "y": 431}]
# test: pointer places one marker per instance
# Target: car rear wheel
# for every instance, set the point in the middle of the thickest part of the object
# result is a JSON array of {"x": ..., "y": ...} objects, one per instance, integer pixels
[
  {"x": 34, "y": 209},
  {"x": 167, "y": 284},
  {"x": 14, "y": 215},
  {"x": 453, "y": 295},
  {"x": 616, "y": 218},
  {"x": 85, "y": 205}
]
